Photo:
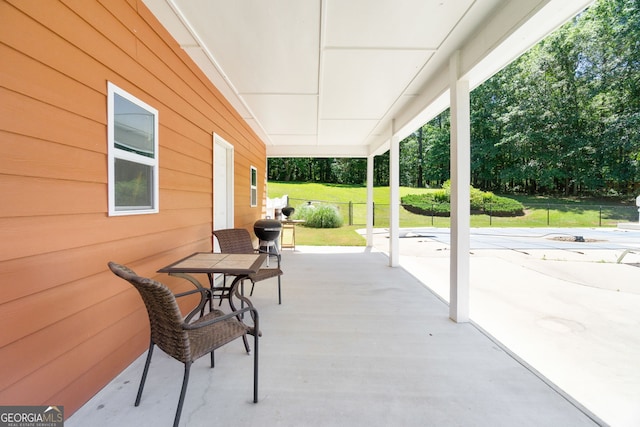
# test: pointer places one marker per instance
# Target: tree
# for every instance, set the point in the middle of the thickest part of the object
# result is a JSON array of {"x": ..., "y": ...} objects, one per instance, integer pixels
[
  {"x": 610, "y": 36},
  {"x": 563, "y": 118}
]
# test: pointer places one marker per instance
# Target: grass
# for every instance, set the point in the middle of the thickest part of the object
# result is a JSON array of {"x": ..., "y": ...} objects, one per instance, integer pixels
[
  {"x": 334, "y": 193},
  {"x": 343, "y": 236},
  {"x": 539, "y": 212}
]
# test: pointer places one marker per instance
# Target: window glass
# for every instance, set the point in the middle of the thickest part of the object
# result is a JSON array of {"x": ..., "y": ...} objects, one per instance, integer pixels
[
  {"x": 134, "y": 185},
  {"x": 134, "y": 127},
  {"x": 254, "y": 186}
]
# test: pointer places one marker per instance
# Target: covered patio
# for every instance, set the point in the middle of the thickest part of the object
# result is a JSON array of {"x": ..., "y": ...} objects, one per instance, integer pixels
[
  {"x": 333, "y": 79},
  {"x": 355, "y": 343}
]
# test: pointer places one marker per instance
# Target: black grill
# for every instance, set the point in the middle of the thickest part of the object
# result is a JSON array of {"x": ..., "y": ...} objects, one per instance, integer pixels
[{"x": 267, "y": 229}]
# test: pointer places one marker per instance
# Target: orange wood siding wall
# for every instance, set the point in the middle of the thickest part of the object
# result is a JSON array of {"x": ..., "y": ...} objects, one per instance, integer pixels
[{"x": 68, "y": 325}]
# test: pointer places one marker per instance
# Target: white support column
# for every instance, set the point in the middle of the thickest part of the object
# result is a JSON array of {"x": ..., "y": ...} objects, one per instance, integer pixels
[
  {"x": 370, "y": 207},
  {"x": 394, "y": 198},
  {"x": 460, "y": 193}
]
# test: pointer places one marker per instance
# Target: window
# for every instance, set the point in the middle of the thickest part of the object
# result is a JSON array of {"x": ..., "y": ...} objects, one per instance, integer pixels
[
  {"x": 133, "y": 154},
  {"x": 254, "y": 186}
]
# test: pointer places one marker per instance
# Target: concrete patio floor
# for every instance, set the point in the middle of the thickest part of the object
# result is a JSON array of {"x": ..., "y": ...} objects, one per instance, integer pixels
[
  {"x": 355, "y": 343},
  {"x": 566, "y": 308}
]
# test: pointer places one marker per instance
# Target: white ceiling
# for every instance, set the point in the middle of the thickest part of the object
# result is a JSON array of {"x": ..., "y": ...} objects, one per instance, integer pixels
[{"x": 335, "y": 78}]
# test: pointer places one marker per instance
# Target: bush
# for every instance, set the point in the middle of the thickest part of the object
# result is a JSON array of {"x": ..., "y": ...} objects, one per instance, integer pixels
[
  {"x": 441, "y": 196},
  {"x": 427, "y": 204},
  {"x": 437, "y": 204},
  {"x": 503, "y": 206},
  {"x": 319, "y": 216}
]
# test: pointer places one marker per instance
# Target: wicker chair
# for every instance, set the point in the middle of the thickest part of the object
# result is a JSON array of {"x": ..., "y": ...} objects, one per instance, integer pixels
[
  {"x": 185, "y": 339},
  {"x": 238, "y": 241}
]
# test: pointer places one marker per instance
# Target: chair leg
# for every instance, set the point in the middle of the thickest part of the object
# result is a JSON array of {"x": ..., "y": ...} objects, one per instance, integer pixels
[
  {"x": 224, "y": 286},
  {"x": 144, "y": 373},
  {"x": 279, "y": 292},
  {"x": 183, "y": 391},
  {"x": 246, "y": 344},
  {"x": 255, "y": 367},
  {"x": 211, "y": 294},
  {"x": 253, "y": 285},
  {"x": 244, "y": 337}
]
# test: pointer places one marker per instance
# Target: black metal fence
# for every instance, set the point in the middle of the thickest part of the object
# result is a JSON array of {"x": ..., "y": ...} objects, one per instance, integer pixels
[{"x": 536, "y": 215}]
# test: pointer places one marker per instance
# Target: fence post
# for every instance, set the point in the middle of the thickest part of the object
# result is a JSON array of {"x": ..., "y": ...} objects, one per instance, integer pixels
[
  {"x": 548, "y": 209},
  {"x": 490, "y": 213},
  {"x": 350, "y": 213},
  {"x": 433, "y": 213},
  {"x": 373, "y": 214},
  {"x": 600, "y": 217}
]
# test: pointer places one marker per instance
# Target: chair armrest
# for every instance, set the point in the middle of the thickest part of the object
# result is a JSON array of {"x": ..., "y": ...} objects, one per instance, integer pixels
[
  {"x": 191, "y": 326},
  {"x": 205, "y": 296},
  {"x": 246, "y": 301},
  {"x": 193, "y": 291},
  {"x": 270, "y": 254},
  {"x": 236, "y": 314}
]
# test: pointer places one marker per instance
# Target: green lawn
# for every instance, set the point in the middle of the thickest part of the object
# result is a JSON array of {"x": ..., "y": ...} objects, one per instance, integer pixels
[
  {"x": 343, "y": 236},
  {"x": 539, "y": 212},
  {"x": 334, "y": 193}
]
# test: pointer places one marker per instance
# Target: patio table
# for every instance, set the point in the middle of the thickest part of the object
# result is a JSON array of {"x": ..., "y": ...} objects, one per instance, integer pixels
[
  {"x": 238, "y": 265},
  {"x": 211, "y": 262}
]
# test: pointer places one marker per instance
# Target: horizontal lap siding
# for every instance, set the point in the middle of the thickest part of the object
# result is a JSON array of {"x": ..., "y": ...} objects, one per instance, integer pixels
[{"x": 70, "y": 325}]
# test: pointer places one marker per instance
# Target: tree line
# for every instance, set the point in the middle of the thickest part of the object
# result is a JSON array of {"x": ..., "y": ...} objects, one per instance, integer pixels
[{"x": 564, "y": 119}]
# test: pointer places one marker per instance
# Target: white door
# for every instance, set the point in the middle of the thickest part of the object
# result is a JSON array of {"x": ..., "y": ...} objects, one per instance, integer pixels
[{"x": 222, "y": 184}]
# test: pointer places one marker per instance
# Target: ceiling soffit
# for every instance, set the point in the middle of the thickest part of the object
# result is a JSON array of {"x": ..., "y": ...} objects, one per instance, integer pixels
[{"x": 320, "y": 78}]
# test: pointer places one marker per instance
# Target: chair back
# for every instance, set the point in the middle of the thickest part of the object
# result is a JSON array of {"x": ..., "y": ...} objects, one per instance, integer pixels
[
  {"x": 234, "y": 241},
  {"x": 165, "y": 317}
]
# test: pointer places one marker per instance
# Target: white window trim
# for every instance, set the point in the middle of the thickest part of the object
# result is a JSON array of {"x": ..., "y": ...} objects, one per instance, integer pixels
[
  {"x": 116, "y": 153},
  {"x": 254, "y": 188}
]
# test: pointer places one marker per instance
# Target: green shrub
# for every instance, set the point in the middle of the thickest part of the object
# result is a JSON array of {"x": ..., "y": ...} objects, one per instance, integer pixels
[
  {"x": 319, "y": 216},
  {"x": 477, "y": 199},
  {"x": 427, "y": 204},
  {"x": 437, "y": 203},
  {"x": 441, "y": 196},
  {"x": 503, "y": 206}
]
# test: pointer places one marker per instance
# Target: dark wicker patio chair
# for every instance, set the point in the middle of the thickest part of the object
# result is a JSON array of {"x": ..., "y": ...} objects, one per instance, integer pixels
[
  {"x": 238, "y": 241},
  {"x": 185, "y": 339}
]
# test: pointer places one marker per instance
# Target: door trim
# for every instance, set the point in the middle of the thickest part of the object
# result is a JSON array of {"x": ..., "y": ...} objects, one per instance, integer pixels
[{"x": 229, "y": 200}]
